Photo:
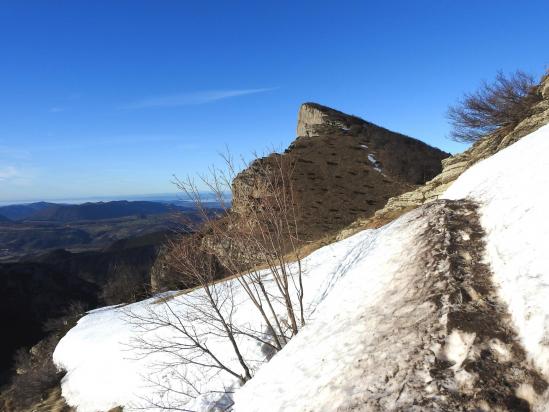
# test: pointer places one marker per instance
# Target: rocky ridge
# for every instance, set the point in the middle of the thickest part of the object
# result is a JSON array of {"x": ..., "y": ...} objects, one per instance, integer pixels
[
  {"x": 344, "y": 168},
  {"x": 453, "y": 167}
]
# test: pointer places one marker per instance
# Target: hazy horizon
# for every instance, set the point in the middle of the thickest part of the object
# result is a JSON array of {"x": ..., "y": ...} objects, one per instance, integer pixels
[
  {"x": 80, "y": 200},
  {"x": 152, "y": 197}
]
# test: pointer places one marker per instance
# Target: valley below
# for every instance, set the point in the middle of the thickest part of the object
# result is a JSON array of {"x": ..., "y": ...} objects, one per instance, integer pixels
[{"x": 92, "y": 226}]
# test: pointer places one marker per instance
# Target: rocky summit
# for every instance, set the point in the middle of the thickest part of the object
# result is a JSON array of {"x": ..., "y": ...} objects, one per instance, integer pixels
[{"x": 344, "y": 168}]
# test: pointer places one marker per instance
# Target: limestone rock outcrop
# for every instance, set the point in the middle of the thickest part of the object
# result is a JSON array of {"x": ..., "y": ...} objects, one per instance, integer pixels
[{"x": 313, "y": 119}]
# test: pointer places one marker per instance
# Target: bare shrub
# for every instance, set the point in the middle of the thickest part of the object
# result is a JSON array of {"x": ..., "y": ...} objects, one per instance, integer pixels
[
  {"x": 256, "y": 245},
  {"x": 501, "y": 104},
  {"x": 260, "y": 239},
  {"x": 181, "y": 329},
  {"x": 62, "y": 324}
]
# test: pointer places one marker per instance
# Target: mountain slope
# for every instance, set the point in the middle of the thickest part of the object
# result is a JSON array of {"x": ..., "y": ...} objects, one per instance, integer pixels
[
  {"x": 344, "y": 168},
  {"x": 405, "y": 317},
  {"x": 384, "y": 349}
]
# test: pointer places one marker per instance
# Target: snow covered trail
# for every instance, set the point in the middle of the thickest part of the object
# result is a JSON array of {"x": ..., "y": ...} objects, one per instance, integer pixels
[
  {"x": 472, "y": 350},
  {"x": 415, "y": 324},
  {"x": 512, "y": 189}
]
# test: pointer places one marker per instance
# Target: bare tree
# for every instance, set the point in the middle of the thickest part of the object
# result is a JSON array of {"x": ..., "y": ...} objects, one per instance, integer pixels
[
  {"x": 501, "y": 104},
  {"x": 268, "y": 230},
  {"x": 259, "y": 240},
  {"x": 181, "y": 329},
  {"x": 241, "y": 258}
]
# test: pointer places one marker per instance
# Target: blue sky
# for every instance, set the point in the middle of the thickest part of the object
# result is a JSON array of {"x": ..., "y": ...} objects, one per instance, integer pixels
[{"x": 111, "y": 98}]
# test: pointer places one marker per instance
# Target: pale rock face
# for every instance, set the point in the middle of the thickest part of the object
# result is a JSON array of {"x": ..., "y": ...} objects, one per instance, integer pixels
[
  {"x": 311, "y": 119},
  {"x": 308, "y": 119},
  {"x": 545, "y": 88}
]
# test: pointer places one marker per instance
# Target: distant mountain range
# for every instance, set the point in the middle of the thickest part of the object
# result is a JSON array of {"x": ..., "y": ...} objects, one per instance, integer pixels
[
  {"x": 55, "y": 212},
  {"x": 23, "y": 211}
]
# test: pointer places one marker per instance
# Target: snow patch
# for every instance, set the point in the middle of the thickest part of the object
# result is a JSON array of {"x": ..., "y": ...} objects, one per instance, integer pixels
[
  {"x": 527, "y": 392},
  {"x": 367, "y": 342},
  {"x": 375, "y": 163},
  {"x": 104, "y": 369},
  {"x": 501, "y": 350}
]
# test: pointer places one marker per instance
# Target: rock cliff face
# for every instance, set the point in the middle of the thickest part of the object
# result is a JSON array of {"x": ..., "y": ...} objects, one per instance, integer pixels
[
  {"x": 313, "y": 118},
  {"x": 454, "y": 166},
  {"x": 344, "y": 168}
]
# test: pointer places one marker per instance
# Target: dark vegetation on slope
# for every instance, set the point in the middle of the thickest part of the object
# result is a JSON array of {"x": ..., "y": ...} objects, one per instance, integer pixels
[
  {"x": 18, "y": 239},
  {"x": 35, "y": 375},
  {"x": 44, "y": 288},
  {"x": 23, "y": 211},
  {"x": 31, "y": 294}
]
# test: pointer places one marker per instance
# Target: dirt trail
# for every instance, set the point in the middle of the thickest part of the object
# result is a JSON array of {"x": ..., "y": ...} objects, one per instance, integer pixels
[{"x": 494, "y": 373}]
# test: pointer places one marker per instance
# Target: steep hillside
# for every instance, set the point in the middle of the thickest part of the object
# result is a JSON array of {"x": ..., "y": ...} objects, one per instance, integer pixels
[
  {"x": 344, "y": 168},
  {"x": 443, "y": 309},
  {"x": 33, "y": 293}
]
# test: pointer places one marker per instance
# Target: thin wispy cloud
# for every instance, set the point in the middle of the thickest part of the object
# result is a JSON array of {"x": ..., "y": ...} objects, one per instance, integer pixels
[
  {"x": 107, "y": 141},
  {"x": 56, "y": 109},
  {"x": 192, "y": 98}
]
